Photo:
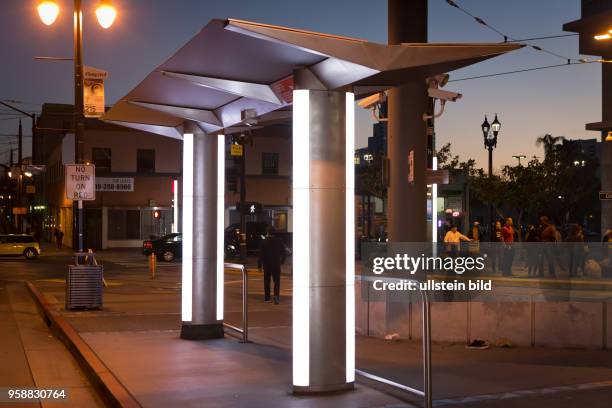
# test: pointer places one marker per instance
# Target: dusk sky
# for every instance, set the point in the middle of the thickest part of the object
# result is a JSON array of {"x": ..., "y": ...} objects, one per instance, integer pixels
[{"x": 557, "y": 101}]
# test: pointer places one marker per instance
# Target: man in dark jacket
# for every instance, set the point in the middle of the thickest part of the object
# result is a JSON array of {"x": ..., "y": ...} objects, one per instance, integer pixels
[{"x": 271, "y": 256}]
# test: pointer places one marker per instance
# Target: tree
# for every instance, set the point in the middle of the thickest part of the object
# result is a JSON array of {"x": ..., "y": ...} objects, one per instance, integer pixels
[{"x": 549, "y": 142}]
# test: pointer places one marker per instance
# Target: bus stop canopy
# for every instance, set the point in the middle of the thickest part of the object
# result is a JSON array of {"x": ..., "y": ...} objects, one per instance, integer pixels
[{"x": 233, "y": 65}]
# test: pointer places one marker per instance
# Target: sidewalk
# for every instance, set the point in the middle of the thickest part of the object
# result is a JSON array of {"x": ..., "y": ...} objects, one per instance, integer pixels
[
  {"x": 136, "y": 336},
  {"x": 33, "y": 358}
]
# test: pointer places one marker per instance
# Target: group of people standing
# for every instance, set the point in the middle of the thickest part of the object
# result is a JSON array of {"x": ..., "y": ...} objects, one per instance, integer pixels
[{"x": 503, "y": 249}]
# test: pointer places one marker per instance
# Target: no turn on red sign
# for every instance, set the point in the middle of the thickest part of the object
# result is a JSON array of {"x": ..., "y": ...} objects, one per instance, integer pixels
[{"x": 80, "y": 182}]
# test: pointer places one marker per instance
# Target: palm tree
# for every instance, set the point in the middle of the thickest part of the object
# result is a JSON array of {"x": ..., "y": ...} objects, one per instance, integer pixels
[{"x": 549, "y": 143}]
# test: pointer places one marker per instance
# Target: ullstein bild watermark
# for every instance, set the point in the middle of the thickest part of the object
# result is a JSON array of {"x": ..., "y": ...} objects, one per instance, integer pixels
[{"x": 431, "y": 264}]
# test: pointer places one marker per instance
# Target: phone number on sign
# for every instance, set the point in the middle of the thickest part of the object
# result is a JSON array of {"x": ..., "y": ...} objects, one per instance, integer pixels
[{"x": 32, "y": 394}]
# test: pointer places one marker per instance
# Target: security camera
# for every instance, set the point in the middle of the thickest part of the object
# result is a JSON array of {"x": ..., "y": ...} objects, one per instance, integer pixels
[
  {"x": 371, "y": 101},
  {"x": 374, "y": 102},
  {"x": 443, "y": 95},
  {"x": 438, "y": 80},
  {"x": 249, "y": 117}
]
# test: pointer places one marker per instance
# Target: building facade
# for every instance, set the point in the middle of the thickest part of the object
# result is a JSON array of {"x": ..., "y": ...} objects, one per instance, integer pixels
[{"x": 135, "y": 171}]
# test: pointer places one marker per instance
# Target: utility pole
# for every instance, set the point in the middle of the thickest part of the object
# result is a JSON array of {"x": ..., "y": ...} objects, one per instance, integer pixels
[
  {"x": 79, "y": 115},
  {"x": 407, "y": 132},
  {"x": 20, "y": 144},
  {"x": 243, "y": 232}
]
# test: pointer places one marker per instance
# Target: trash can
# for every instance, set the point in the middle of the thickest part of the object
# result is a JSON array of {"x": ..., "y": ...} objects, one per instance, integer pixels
[{"x": 84, "y": 283}]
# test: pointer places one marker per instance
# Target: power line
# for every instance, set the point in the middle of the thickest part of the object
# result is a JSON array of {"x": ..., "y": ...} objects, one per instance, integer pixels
[
  {"x": 524, "y": 70},
  {"x": 506, "y": 37},
  {"x": 547, "y": 37}
]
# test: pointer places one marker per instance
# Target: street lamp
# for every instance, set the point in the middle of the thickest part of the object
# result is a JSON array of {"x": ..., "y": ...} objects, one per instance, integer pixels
[
  {"x": 490, "y": 133},
  {"x": 48, "y": 11},
  {"x": 519, "y": 157}
]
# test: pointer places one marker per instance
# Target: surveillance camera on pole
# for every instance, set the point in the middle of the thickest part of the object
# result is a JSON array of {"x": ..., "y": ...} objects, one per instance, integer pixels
[
  {"x": 374, "y": 102},
  {"x": 433, "y": 91}
]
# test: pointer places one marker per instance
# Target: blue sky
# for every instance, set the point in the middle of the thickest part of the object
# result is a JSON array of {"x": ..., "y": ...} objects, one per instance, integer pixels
[{"x": 146, "y": 32}]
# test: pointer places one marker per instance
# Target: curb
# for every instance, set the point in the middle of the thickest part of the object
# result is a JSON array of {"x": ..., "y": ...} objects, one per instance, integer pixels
[{"x": 103, "y": 380}]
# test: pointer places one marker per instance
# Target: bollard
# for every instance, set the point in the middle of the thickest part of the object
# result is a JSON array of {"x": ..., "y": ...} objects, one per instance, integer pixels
[{"x": 152, "y": 265}]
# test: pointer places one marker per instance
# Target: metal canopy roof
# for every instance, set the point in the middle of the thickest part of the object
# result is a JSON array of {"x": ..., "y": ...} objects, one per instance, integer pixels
[{"x": 231, "y": 65}]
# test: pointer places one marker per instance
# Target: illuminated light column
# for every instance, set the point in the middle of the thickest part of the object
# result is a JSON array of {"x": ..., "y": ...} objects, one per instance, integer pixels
[
  {"x": 175, "y": 206},
  {"x": 202, "y": 232},
  {"x": 434, "y": 204},
  {"x": 323, "y": 241}
]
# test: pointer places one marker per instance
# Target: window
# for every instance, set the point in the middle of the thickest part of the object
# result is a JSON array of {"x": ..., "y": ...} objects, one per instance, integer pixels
[
  {"x": 269, "y": 163},
  {"x": 101, "y": 158},
  {"x": 116, "y": 224},
  {"x": 132, "y": 224},
  {"x": 123, "y": 224},
  {"x": 145, "y": 161}
]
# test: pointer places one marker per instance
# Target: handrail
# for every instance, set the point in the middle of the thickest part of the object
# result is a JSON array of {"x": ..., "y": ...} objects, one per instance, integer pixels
[
  {"x": 245, "y": 302},
  {"x": 426, "y": 393}
]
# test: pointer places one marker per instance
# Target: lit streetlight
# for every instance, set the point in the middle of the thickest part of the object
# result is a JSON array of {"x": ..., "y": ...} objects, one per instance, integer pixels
[
  {"x": 48, "y": 11},
  {"x": 519, "y": 157},
  {"x": 490, "y": 131}
]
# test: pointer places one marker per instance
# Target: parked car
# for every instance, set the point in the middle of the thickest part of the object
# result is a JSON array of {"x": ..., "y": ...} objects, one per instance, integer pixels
[
  {"x": 166, "y": 248},
  {"x": 255, "y": 232},
  {"x": 169, "y": 247},
  {"x": 19, "y": 245}
]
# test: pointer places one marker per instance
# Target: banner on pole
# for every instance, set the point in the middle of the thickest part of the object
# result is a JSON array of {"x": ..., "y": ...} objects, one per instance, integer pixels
[{"x": 93, "y": 91}]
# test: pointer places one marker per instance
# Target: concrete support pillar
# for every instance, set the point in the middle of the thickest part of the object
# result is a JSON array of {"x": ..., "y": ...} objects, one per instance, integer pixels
[
  {"x": 407, "y": 133},
  {"x": 202, "y": 231},
  {"x": 323, "y": 241}
]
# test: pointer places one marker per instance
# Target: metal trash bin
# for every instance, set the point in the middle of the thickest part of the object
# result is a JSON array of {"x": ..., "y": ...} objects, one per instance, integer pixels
[{"x": 84, "y": 283}]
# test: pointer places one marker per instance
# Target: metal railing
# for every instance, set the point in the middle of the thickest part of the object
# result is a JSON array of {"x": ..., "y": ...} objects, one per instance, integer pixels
[
  {"x": 245, "y": 302},
  {"x": 426, "y": 393}
]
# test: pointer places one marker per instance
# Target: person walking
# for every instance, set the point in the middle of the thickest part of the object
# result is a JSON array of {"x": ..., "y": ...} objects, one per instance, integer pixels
[
  {"x": 271, "y": 257},
  {"x": 497, "y": 250},
  {"x": 508, "y": 253},
  {"x": 59, "y": 237}
]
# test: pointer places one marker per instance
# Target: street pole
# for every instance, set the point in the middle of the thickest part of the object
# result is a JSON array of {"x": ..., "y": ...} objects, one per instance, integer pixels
[
  {"x": 491, "y": 217},
  {"x": 243, "y": 244},
  {"x": 407, "y": 132},
  {"x": 79, "y": 117}
]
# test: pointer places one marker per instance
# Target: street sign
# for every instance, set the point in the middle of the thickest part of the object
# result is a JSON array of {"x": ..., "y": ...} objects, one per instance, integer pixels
[
  {"x": 251, "y": 207},
  {"x": 20, "y": 210},
  {"x": 236, "y": 149},
  {"x": 436, "y": 176},
  {"x": 115, "y": 184},
  {"x": 605, "y": 195},
  {"x": 80, "y": 182},
  {"x": 411, "y": 166}
]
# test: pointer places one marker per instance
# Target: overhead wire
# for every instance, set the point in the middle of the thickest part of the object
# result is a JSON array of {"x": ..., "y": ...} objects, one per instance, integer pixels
[{"x": 506, "y": 37}]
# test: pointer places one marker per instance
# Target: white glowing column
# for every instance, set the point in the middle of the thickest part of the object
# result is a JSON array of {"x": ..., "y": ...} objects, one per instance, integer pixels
[
  {"x": 220, "y": 222},
  {"x": 434, "y": 205},
  {"x": 175, "y": 206},
  {"x": 323, "y": 241},
  {"x": 301, "y": 237},
  {"x": 350, "y": 237},
  {"x": 202, "y": 232},
  {"x": 187, "y": 257}
]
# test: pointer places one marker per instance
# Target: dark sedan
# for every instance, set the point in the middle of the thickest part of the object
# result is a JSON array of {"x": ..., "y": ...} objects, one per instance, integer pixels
[{"x": 166, "y": 248}]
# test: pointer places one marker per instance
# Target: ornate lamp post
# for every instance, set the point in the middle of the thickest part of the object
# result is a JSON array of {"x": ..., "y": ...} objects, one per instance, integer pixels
[{"x": 490, "y": 133}]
